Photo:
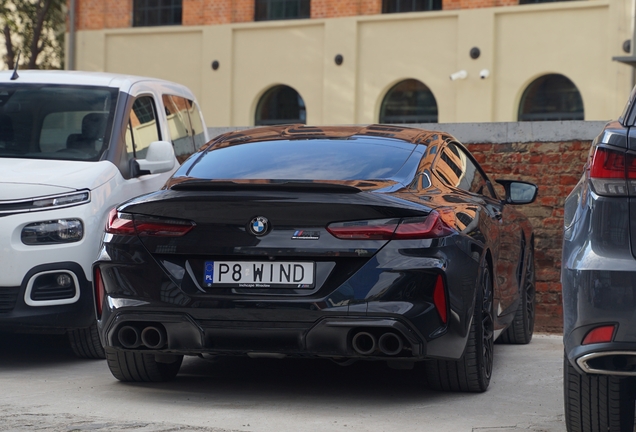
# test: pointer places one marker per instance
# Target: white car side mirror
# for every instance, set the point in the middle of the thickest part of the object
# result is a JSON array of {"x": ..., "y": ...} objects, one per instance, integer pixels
[{"x": 159, "y": 158}]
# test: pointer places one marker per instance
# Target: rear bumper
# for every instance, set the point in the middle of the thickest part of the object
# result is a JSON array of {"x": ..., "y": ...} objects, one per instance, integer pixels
[
  {"x": 327, "y": 337},
  {"x": 595, "y": 298},
  {"x": 389, "y": 295},
  {"x": 598, "y": 279}
]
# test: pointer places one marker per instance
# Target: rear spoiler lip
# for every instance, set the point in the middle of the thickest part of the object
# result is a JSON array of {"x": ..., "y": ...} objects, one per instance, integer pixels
[
  {"x": 336, "y": 186},
  {"x": 273, "y": 185}
]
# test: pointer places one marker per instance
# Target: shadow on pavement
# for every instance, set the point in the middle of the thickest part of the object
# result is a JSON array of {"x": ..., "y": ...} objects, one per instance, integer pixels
[
  {"x": 256, "y": 380},
  {"x": 31, "y": 350}
]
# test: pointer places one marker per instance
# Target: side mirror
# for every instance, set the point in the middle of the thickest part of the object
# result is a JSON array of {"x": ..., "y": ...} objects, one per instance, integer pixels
[
  {"x": 159, "y": 158},
  {"x": 519, "y": 192}
]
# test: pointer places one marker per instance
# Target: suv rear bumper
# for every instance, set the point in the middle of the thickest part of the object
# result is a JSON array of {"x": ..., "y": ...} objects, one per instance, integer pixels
[{"x": 595, "y": 298}]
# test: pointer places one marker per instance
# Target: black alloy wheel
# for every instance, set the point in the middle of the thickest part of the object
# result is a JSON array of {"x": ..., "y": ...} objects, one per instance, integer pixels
[
  {"x": 487, "y": 328},
  {"x": 472, "y": 372},
  {"x": 522, "y": 327}
]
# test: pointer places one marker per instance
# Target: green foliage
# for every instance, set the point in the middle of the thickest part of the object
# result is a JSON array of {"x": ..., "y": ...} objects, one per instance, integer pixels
[{"x": 36, "y": 28}]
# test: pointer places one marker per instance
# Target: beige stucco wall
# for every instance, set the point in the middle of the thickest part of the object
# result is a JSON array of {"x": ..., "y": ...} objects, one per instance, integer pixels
[{"x": 518, "y": 44}]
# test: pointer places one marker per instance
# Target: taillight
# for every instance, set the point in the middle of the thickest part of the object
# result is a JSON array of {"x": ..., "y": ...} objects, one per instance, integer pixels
[
  {"x": 599, "y": 335},
  {"x": 610, "y": 171},
  {"x": 98, "y": 286},
  {"x": 431, "y": 226},
  {"x": 439, "y": 298},
  {"x": 162, "y": 228},
  {"x": 128, "y": 224},
  {"x": 120, "y": 223},
  {"x": 379, "y": 229}
]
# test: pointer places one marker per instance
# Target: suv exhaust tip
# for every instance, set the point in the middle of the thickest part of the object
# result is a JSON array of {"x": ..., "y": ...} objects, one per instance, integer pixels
[{"x": 621, "y": 363}]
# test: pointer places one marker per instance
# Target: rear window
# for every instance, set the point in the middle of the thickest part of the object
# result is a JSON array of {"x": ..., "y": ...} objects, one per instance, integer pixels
[{"x": 314, "y": 159}]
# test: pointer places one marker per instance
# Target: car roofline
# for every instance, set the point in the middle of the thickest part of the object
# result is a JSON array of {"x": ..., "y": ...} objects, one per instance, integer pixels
[{"x": 301, "y": 131}]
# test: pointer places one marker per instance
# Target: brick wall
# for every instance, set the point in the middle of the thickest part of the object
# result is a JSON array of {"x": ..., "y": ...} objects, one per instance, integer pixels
[
  {"x": 555, "y": 167},
  {"x": 100, "y": 14},
  {"x": 200, "y": 12},
  {"x": 332, "y": 9},
  {"x": 370, "y": 7}
]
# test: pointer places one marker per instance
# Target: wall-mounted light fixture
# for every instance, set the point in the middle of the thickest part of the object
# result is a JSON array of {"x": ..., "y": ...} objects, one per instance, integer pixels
[
  {"x": 459, "y": 75},
  {"x": 474, "y": 53},
  {"x": 215, "y": 65},
  {"x": 338, "y": 59}
]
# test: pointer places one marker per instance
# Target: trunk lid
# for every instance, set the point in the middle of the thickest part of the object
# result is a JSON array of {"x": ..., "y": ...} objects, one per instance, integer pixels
[{"x": 296, "y": 219}]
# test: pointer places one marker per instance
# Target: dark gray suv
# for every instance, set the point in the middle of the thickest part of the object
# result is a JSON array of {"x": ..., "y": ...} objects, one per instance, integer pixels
[{"x": 599, "y": 284}]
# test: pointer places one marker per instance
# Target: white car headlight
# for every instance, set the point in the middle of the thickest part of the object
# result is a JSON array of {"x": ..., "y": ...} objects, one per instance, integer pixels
[
  {"x": 62, "y": 200},
  {"x": 27, "y": 205},
  {"x": 53, "y": 232}
]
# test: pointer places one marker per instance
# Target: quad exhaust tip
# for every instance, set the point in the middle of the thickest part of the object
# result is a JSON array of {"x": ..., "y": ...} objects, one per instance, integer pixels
[
  {"x": 364, "y": 343},
  {"x": 389, "y": 343},
  {"x": 152, "y": 337},
  {"x": 129, "y": 337}
]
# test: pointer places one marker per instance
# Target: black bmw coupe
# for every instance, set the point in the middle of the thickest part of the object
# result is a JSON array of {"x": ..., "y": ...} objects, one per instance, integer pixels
[{"x": 347, "y": 243}]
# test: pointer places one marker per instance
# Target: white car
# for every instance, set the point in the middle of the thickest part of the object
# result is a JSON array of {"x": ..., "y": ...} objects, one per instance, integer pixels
[{"x": 73, "y": 145}]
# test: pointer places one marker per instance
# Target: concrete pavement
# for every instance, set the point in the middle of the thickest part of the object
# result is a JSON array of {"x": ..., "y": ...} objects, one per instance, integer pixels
[{"x": 44, "y": 388}]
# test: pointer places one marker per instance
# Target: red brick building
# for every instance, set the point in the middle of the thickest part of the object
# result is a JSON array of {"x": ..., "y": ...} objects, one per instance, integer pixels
[{"x": 101, "y": 14}]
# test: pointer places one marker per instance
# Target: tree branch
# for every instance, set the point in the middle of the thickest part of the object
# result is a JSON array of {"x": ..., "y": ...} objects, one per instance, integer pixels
[
  {"x": 37, "y": 32},
  {"x": 10, "y": 57}
]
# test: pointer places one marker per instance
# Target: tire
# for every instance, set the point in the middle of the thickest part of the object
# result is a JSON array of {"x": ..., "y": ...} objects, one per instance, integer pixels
[
  {"x": 522, "y": 327},
  {"x": 595, "y": 403},
  {"x": 131, "y": 366},
  {"x": 86, "y": 343},
  {"x": 472, "y": 372}
]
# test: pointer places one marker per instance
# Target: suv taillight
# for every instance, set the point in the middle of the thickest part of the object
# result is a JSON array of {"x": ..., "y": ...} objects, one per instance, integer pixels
[{"x": 613, "y": 173}]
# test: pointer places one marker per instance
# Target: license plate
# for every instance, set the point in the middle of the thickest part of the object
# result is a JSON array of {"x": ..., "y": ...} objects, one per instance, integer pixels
[{"x": 249, "y": 274}]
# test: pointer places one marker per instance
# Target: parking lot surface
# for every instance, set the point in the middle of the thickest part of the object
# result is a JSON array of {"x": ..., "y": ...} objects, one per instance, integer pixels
[{"x": 45, "y": 388}]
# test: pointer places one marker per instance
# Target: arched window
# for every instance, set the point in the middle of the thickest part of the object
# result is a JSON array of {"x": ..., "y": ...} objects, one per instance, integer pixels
[
  {"x": 551, "y": 97},
  {"x": 409, "y": 101},
  {"x": 280, "y": 105}
]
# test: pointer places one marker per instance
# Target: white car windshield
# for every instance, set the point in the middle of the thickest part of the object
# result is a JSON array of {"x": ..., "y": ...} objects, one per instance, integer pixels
[{"x": 61, "y": 122}]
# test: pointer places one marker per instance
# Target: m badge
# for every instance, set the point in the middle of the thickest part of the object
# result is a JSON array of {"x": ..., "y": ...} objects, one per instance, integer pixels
[{"x": 306, "y": 235}]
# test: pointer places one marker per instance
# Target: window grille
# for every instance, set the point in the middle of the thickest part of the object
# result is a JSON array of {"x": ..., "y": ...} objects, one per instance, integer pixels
[
  {"x": 266, "y": 10},
  {"x": 156, "y": 12},
  {"x": 394, "y": 6}
]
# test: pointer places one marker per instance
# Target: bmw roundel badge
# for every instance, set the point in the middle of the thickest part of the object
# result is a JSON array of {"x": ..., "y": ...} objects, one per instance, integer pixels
[{"x": 259, "y": 226}]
